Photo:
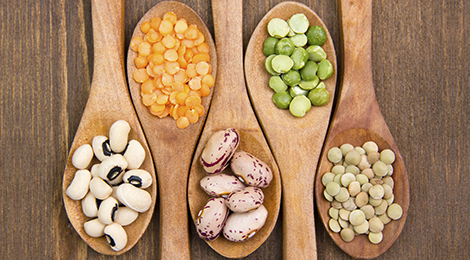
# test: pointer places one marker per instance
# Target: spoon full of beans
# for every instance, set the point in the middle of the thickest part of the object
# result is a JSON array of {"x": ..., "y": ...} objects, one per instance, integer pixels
[
  {"x": 358, "y": 120},
  {"x": 296, "y": 141},
  {"x": 231, "y": 108},
  {"x": 108, "y": 102},
  {"x": 171, "y": 66}
]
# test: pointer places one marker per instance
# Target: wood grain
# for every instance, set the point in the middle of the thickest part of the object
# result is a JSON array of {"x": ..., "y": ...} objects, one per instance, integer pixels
[{"x": 421, "y": 73}]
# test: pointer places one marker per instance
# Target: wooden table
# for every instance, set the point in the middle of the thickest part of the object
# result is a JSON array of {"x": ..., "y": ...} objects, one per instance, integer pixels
[{"x": 421, "y": 55}]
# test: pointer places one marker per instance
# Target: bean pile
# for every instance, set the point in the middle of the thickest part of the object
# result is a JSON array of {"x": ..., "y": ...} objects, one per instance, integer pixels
[
  {"x": 173, "y": 68},
  {"x": 360, "y": 189},
  {"x": 298, "y": 64},
  {"x": 112, "y": 192},
  {"x": 236, "y": 206}
]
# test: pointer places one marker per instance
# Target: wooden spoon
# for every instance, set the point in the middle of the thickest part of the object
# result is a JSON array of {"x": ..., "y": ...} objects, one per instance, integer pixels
[
  {"x": 172, "y": 148},
  {"x": 231, "y": 108},
  {"x": 296, "y": 142},
  {"x": 108, "y": 102},
  {"x": 357, "y": 119}
]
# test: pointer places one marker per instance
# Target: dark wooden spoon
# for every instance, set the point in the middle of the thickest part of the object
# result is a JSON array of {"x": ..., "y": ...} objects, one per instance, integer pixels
[
  {"x": 108, "y": 102},
  {"x": 172, "y": 148},
  {"x": 358, "y": 119},
  {"x": 296, "y": 142},
  {"x": 231, "y": 108}
]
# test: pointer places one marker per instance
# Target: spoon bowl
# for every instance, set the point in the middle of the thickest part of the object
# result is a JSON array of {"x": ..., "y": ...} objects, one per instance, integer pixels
[
  {"x": 231, "y": 108},
  {"x": 172, "y": 148},
  {"x": 358, "y": 119},
  {"x": 296, "y": 142},
  {"x": 108, "y": 102}
]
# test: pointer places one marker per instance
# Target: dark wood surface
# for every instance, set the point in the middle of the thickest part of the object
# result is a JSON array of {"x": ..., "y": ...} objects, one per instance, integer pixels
[{"x": 421, "y": 55}]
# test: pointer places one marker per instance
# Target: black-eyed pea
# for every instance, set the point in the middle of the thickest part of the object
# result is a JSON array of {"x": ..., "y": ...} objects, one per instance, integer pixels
[
  {"x": 101, "y": 147},
  {"x": 219, "y": 149},
  {"x": 362, "y": 198},
  {"x": 78, "y": 188},
  {"x": 94, "y": 170},
  {"x": 99, "y": 188},
  {"x": 116, "y": 236},
  {"x": 240, "y": 227},
  {"x": 138, "y": 177},
  {"x": 118, "y": 135},
  {"x": 134, "y": 154},
  {"x": 347, "y": 234},
  {"x": 94, "y": 228},
  {"x": 211, "y": 219},
  {"x": 82, "y": 157},
  {"x": 375, "y": 225},
  {"x": 112, "y": 169},
  {"x": 107, "y": 210},
  {"x": 125, "y": 216},
  {"x": 220, "y": 185},
  {"x": 90, "y": 206},
  {"x": 244, "y": 200},
  {"x": 133, "y": 197},
  {"x": 251, "y": 170}
]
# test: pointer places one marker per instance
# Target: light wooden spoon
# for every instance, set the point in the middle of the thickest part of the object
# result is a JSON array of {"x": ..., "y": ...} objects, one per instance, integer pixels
[
  {"x": 172, "y": 148},
  {"x": 108, "y": 102},
  {"x": 358, "y": 119},
  {"x": 231, "y": 108},
  {"x": 296, "y": 142}
]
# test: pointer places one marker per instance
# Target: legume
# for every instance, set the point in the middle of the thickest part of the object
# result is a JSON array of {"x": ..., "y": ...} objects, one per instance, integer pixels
[
  {"x": 292, "y": 52},
  {"x": 173, "y": 65},
  {"x": 361, "y": 191}
]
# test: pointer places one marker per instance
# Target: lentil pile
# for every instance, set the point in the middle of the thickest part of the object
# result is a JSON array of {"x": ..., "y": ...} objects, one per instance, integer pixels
[
  {"x": 360, "y": 189},
  {"x": 173, "y": 67},
  {"x": 298, "y": 64},
  {"x": 112, "y": 192}
]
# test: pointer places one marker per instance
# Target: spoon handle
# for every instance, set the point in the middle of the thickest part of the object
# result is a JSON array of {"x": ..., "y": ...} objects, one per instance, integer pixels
[
  {"x": 108, "y": 44},
  {"x": 357, "y": 97}
]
